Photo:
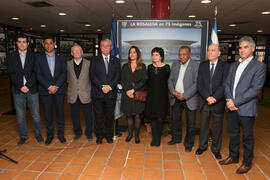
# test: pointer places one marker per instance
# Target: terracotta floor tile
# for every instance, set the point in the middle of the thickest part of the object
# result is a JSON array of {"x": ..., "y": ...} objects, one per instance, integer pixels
[
  {"x": 63, "y": 159},
  {"x": 152, "y": 174},
  {"x": 153, "y": 164},
  {"x": 135, "y": 163},
  {"x": 190, "y": 175},
  {"x": 172, "y": 165},
  {"x": 116, "y": 162},
  {"x": 170, "y": 156},
  {"x": 89, "y": 178},
  {"x": 93, "y": 170},
  {"x": 132, "y": 173},
  {"x": 230, "y": 168},
  {"x": 188, "y": 157},
  {"x": 119, "y": 155},
  {"x": 114, "y": 172},
  {"x": 136, "y": 155},
  {"x": 56, "y": 167},
  {"x": 8, "y": 175},
  {"x": 30, "y": 156},
  {"x": 266, "y": 170},
  {"x": 98, "y": 161},
  {"x": 82, "y": 160},
  {"x": 110, "y": 178},
  {"x": 47, "y": 157},
  {"x": 208, "y": 166},
  {"x": 37, "y": 166},
  {"x": 27, "y": 175},
  {"x": 212, "y": 175},
  {"x": 137, "y": 147},
  {"x": 20, "y": 166},
  {"x": 48, "y": 176},
  {"x": 68, "y": 177},
  {"x": 261, "y": 160},
  {"x": 195, "y": 166},
  {"x": 153, "y": 149},
  {"x": 234, "y": 176},
  {"x": 167, "y": 149},
  {"x": 4, "y": 163},
  {"x": 152, "y": 155},
  {"x": 173, "y": 175},
  {"x": 70, "y": 152},
  {"x": 85, "y": 152},
  {"x": 74, "y": 169},
  {"x": 104, "y": 154},
  {"x": 122, "y": 147},
  {"x": 256, "y": 176}
]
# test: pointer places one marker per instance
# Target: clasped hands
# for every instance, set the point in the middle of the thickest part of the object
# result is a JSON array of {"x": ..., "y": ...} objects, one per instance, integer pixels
[
  {"x": 130, "y": 93},
  {"x": 106, "y": 89},
  {"x": 24, "y": 89},
  {"x": 211, "y": 100},
  {"x": 53, "y": 89},
  {"x": 179, "y": 96},
  {"x": 230, "y": 105}
]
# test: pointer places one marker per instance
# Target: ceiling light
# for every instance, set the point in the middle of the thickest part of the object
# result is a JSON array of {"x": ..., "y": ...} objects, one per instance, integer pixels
[
  {"x": 129, "y": 16},
  {"x": 260, "y": 31},
  {"x": 205, "y": 1},
  {"x": 62, "y": 30},
  {"x": 62, "y": 14},
  {"x": 266, "y": 12},
  {"x": 219, "y": 30},
  {"x": 99, "y": 30},
  {"x": 119, "y": 1},
  {"x": 15, "y": 18},
  {"x": 232, "y": 25},
  {"x": 191, "y": 16},
  {"x": 43, "y": 25},
  {"x": 87, "y": 25}
]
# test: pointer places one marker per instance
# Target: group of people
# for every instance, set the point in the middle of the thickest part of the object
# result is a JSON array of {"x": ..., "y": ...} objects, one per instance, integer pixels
[{"x": 211, "y": 87}]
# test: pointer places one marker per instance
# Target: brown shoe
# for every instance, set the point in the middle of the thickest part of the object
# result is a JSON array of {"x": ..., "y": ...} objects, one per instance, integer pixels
[
  {"x": 227, "y": 161},
  {"x": 243, "y": 169}
]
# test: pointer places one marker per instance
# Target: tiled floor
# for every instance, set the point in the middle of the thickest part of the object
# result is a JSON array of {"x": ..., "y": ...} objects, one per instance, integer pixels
[{"x": 121, "y": 160}]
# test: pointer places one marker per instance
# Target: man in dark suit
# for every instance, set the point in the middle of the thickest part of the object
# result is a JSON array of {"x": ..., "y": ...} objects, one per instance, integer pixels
[
  {"x": 78, "y": 92},
  {"x": 24, "y": 87},
  {"x": 182, "y": 85},
  {"x": 211, "y": 78},
  {"x": 51, "y": 70},
  {"x": 243, "y": 84},
  {"x": 105, "y": 74}
]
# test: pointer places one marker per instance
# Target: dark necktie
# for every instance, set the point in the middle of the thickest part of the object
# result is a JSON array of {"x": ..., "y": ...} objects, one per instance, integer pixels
[
  {"x": 211, "y": 76},
  {"x": 106, "y": 64}
]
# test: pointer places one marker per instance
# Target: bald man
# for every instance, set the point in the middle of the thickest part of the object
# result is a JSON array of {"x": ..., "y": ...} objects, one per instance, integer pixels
[{"x": 211, "y": 77}]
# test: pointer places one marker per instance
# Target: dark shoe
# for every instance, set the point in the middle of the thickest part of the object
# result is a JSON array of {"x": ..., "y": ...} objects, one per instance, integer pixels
[
  {"x": 99, "y": 140},
  {"x": 137, "y": 139},
  {"x": 39, "y": 139},
  {"x": 89, "y": 138},
  {"x": 129, "y": 137},
  {"x": 217, "y": 155},
  {"x": 118, "y": 134},
  {"x": 227, "y": 161},
  {"x": 173, "y": 142},
  {"x": 243, "y": 169},
  {"x": 48, "y": 141},
  {"x": 199, "y": 151},
  {"x": 188, "y": 149},
  {"x": 153, "y": 143},
  {"x": 110, "y": 140},
  {"x": 21, "y": 141},
  {"x": 62, "y": 139},
  {"x": 77, "y": 137}
]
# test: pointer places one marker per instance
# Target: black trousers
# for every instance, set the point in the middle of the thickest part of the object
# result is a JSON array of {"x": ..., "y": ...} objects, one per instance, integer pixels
[
  {"x": 177, "y": 111},
  {"x": 235, "y": 122},
  {"x": 75, "y": 114},
  {"x": 48, "y": 101},
  {"x": 217, "y": 122},
  {"x": 104, "y": 116}
]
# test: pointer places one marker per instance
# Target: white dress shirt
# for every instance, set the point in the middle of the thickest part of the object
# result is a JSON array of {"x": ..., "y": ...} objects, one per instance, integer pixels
[
  {"x": 23, "y": 58},
  {"x": 215, "y": 65},
  {"x": 240, "y": 69},
  {"x": 179, "y": 87}
]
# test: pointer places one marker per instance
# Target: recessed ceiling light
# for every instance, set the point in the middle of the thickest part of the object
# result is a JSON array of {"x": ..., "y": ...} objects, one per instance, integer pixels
[
  {"x": 62, "y": 14},
  {"x": 266, "y": 12},
  {"x": 232, "y": 25},
  {"x": 260, "y": 31},
  {"x": 99, "y": 30},
  {"x": 119, "y": 1},
  {"x": 87, "y": 25},
  {"x": 129, "y": 16},
  {"x": 205, "y": 1},
  {"x": 43, "y": 25},
  {"x": 219, "y": 30},
  {"x": 191, "y": 16},
  {"x": 62, "y": 30},
  {"x": 15, "y": 18}
]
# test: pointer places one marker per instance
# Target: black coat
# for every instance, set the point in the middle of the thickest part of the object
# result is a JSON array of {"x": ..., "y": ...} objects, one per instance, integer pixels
[{"x": 16, "y": 72}]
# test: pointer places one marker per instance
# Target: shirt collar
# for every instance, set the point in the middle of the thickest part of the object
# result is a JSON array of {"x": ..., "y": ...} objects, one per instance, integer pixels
[
  {"x": 21, "y": 54},
  {"x": 186, "y": 64},
  {"x": 106, "y": 56},
  {"x": 49, "y": 55},
  {"x": 215, "y": 63},
  {"x": 77, "y": 62},
  {"x": 247, "y": 60}
]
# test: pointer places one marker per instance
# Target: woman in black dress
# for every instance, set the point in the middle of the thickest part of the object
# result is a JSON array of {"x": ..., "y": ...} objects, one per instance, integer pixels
[
  {"x": 133, "y": 79},
  {"x": 157, "y": 106}
]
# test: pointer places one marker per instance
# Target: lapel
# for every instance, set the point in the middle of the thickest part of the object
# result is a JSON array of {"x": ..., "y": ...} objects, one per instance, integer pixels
[
  {"x": 217, "y": 70},
  {"x": 82, "y": 69},
  {"x": 247, "y": 69},
  {"x": 102, "y": 64},
  {"x": 46, "y": 65},
  {"x": 234, "y": 66},
  {"x": 71, "y": 69},
  {"x": 188, "y": 72},
  {"x": 177, "y": 70},
  {"x": 18, "y": 61},
  {"x": 57, "y": 63},
  {"x": 27, "y": 60},
  {"x": 110, "y": 64}
]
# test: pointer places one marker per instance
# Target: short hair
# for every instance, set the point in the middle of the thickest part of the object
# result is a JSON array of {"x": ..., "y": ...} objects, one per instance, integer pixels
[
  {"x": 160, "y": 51},
  {"x": 74, "y": 45},
  {"x": 22, "y": 36},
  {"x": 48, "y": 37},
  {"x": 248, "y": 39},
  {"x": 185, "y": 47},
  {"x": 104, "y": 40}
]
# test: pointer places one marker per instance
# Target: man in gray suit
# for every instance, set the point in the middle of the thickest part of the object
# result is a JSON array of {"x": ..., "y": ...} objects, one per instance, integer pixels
[
  {"x": 182, "y": 85},
  {"x": 243, "y": 84},
  {"x": 78, "y": 92}
]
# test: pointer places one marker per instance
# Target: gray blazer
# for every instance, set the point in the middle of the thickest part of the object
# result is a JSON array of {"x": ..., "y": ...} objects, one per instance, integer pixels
[
  {"x": 248, "y": 87},
  {"x": 79, "y": 87},
  {"x": 190, "y": 83}
]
